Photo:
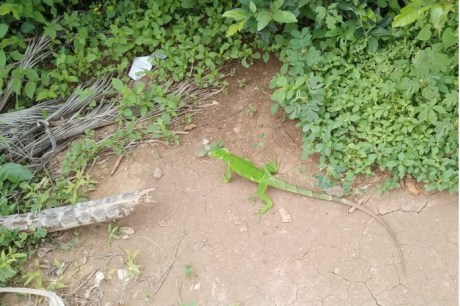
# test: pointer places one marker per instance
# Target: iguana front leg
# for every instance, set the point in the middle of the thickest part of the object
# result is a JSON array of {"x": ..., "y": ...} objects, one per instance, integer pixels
[
  {"x": 269, "y": 168},
  {"x": 264, "y": 197}
]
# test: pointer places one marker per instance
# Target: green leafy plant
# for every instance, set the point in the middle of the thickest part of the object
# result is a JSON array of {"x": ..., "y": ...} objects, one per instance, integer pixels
[
  {"x": 417, "y": 9},
  {"x": 258, "y": 14},
  {"x": 189, "y": 271},
  {"x": 395, "y": 109},
  {"x": 134, "y": 269}
]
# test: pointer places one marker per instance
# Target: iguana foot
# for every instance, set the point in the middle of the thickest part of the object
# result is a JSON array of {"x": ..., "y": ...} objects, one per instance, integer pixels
[
  {"x": 264, "y": 208},
  {"x": 226, "y": 179}
]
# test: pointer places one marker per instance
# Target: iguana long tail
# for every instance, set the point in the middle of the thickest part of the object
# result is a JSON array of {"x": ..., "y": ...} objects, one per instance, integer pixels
[{"x": 274, "y": 182}]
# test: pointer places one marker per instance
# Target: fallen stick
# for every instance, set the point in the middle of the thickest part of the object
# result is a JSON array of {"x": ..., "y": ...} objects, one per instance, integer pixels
[{"x": 84, "y": 213}]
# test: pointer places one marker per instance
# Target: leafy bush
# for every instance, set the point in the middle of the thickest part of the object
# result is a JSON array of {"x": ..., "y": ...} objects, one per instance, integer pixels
[
  {"x": 106, "y": 38},
  {"x": 366, "y": 95}
]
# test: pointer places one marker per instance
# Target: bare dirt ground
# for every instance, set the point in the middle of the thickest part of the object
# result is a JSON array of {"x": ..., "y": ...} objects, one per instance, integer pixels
[{"x": 200, "y": 241}]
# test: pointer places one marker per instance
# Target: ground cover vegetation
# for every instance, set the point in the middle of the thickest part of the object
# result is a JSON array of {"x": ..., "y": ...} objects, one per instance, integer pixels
[
  {"x": 370, "y": 91},
  {"x": 372, "y": 84}
]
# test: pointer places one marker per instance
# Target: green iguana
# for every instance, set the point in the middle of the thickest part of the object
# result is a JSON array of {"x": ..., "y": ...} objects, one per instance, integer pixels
[{"x": 264, "y": 177}]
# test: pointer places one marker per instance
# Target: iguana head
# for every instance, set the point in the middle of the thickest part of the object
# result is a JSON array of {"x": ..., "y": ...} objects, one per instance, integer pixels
[{"x": 217, "y": 152}]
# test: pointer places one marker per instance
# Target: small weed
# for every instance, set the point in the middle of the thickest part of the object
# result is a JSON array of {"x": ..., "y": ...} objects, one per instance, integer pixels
[
  {"x": 67, "y": 245},
  {"x": 251, "y": 110},
  {"x": 134, "y": 270},
  {"x": 241, "y": 82},
  {"x": 189, "y": 272},
  {"x": 114, "y": 233}
]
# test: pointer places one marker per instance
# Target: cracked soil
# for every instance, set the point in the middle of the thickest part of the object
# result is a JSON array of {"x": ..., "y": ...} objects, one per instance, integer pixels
[{"x": 216, "y": 251}]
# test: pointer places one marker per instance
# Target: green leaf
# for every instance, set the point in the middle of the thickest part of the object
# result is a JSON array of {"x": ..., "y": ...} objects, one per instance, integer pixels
[
  {"x": 16, "y": 86},
  {"x": 42, "y": 95},
  {"x": 279, "y": 95},
  {"x": 252, "y": 7},
  {"x": 15, "y": 173},
  {"x": 244, "y": 62},
  {"x": 275, "y": 6},
  {"x": 27, "y": 27},
  {"x": 117, "y": 84},
  {"x": 274, "y": 108},
  {"x": 372, "y": 44},
  {"x": 234, "y": 28},
  {"x": 15, "y": 9},
  {"x": 448, "y": 38},
  {"x": 237, "y": 14},
  {"x": 3, "y": 30},
  {"x": 29, "y": 89},
  {"x": 284, "y": 17},
  {"x": 2, "y": 58},
  {"x": 392, "y": 164},
  {"x": 50, "y": 32},
  {"x": 90, "y": 58},
  {"x": 425, "y": 33},
  {"x": 31, "y": 74},
  {"x": 436, "y": 17},
  {"x": 187, "y": 4},
  {"x": 263, "y": 19},
  {"x": 266, "y": 57},
  {"x": 409, "y": 14}
]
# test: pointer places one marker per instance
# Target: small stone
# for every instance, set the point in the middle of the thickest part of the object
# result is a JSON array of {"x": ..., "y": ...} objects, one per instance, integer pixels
[
  {"x": 335, "y": 191},
  {"x": 197, "y": 286},
  {"x": 205, "y": 141},
  {"x": 285, "y": 216},
  {"x": 157, "y": 173},
  {"x": 122, "y": 274},
  {"x": 126, "y": 232},
  {"x": 412, "y": 186}
]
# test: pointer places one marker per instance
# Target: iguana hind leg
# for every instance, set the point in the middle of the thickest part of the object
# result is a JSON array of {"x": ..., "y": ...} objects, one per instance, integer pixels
[{"x": 264, "y": 197}]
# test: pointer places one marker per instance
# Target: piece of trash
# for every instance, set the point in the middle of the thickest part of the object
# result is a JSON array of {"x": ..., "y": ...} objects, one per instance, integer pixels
[
  {"x": 285, "y": 216},
  {"x": 143, "y": 64},
  {"x": 157, "y": 173}
]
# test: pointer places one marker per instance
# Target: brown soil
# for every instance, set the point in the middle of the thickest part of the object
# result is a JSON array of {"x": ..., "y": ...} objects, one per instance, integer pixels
[{"x": 200, "y": 240}]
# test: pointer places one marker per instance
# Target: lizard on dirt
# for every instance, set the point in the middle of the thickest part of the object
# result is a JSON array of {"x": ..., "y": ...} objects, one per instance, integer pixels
[{"x": 264, "y": 177}]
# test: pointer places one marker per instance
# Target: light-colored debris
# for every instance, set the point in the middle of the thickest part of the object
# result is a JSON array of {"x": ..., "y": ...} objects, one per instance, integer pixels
[
  {"x": 285, "y": 216},
  {"x": 335, "y": 191},
  {"x": 189, "y": 127}
]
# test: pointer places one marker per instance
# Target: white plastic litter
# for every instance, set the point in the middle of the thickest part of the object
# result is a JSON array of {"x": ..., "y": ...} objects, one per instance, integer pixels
[{"x": 143, "y": 64}]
